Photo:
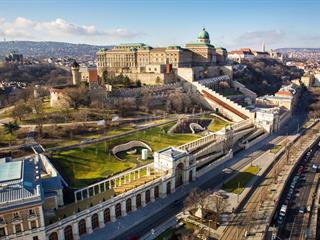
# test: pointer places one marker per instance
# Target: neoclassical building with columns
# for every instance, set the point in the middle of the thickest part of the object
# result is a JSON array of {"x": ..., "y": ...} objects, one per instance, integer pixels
[
  {"x": 95, "y": 205},
  {"x": 142, "y": 62}
]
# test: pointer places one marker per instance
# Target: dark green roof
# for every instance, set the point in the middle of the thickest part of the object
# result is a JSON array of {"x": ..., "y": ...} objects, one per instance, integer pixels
[{"x": 203, "y": 34}]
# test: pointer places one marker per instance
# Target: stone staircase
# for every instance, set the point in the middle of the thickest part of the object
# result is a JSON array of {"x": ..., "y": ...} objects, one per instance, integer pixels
[{"x": 224, "y": 105}]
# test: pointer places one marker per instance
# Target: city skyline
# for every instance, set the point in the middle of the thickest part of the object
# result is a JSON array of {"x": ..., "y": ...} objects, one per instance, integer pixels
[{"x": 231, "y": 24}]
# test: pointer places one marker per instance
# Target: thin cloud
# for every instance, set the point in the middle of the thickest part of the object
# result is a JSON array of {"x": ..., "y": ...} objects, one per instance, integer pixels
[
  {"x": 23, "y": 28},
  {"x": 257, "y": 37}
]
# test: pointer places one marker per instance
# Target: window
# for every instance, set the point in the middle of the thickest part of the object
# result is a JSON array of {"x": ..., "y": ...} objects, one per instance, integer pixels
[
  {"x": 2, "y": 232},
  {"x": 35, "y": 238},
  {"x": 1, "y": 220},
  {"x": 31, "y": 212},
  {"x": 17, "y": 228},
  {"x": 33, "y": 224},
  {"x": 15, "y": 215}
]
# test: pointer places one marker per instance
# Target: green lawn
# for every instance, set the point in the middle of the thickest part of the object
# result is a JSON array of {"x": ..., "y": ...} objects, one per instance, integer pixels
[
  {"x": 94, "y": 162},
  {"x": 276, "y": 149},
  {"x": 217, "y": 124},
  {"x": 237, "y": 184}
]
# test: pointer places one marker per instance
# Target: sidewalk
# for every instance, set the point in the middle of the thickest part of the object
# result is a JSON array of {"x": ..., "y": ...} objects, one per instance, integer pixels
[{"x": 133, "y": 219}]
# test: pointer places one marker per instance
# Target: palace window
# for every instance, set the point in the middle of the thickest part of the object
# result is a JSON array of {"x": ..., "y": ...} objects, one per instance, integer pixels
[
  {"x": 17, "y": 228},
  {"x": 2, "y": 232},
  {"x": 16, "y": 215},
  {"x": 33, "y": 224},
  {"x": 32, "y": 212}
]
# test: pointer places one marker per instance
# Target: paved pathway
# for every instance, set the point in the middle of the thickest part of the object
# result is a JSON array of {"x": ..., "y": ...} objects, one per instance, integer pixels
[{"x": 160, "y": 210}]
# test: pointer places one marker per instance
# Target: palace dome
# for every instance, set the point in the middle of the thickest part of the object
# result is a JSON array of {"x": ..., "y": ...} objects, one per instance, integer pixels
[{"x": 203, "y": 34}]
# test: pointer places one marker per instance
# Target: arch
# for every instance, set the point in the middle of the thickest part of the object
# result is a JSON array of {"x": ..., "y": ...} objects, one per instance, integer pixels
[
  {"x": 129, "y": 205},
  {"x": 169, "y": 187},
  {"x": 95, "y": 221},
  {"x": 179, "y": 174},
  {"x": 156, "y": 192},
  {"x": 53, "y": 236},
  {"x": 82, "y": 227},
  {"x": 118, "y": 210},
  {"x": 138, "y": 201},
  {"x": 147, "y": 196},
  {"x": 68, "y": 234},
  {"x": 106, "y": 215}
]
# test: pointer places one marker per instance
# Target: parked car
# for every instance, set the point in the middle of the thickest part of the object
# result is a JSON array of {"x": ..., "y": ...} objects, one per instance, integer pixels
[{"x": 301, "y": 210}]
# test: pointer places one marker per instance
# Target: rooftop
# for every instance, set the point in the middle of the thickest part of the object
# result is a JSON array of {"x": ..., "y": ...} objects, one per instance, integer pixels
[
  {"x": 173, "y": 153},
  {"x": 19, "y": 182},
  {"x": 10, "y": 171}
]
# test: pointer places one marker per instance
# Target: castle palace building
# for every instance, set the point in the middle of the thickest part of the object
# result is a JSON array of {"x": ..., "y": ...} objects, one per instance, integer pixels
[{"x": 140, "y": 58}]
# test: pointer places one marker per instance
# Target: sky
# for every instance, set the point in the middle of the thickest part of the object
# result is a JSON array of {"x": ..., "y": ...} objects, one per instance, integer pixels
[{"x": 231, "y": 23}]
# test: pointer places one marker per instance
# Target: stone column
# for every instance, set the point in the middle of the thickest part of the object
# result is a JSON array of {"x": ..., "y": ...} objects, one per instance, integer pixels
[
  {"x": 113, "y": 213},
  {"x": 143, "y": 199},
  {"x": 61, "y": 234},
  {"x": 152, "y": 194},
  {"x": 134, "y": 203},
  {"x": 163, "y": 190},
  {"x": 123, "y": 209},
  {"x": 148, "y": 171},
  {"x": 173, "y": 185},
  {"x": 101, "y": 219},
  {"x": 75, "y": 231},
  {"x": 88, "y": 224}
]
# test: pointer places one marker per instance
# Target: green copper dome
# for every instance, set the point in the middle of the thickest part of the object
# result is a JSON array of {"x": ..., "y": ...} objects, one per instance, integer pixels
[{"x": 203, "y": 34}]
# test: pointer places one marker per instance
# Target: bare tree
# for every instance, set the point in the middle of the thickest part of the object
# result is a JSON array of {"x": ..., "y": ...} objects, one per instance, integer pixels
[
  {"x": 25, "y": 94},
  {"x": 37, "y": 107},
  {"x": 220, "y": 205},
  {"x": 77, "y": 97},
  {"x": 20, "y": 110},
  {"x": 224, "y": 84},
  {"x": 197, "y": 199}
]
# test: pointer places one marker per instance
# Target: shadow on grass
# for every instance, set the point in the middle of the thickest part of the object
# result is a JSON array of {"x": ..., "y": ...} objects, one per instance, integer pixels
[{"x": 242, "y": 180}]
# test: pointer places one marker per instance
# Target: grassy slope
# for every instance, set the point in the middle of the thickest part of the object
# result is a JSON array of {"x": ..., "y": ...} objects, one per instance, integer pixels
[
  {"x": 217, "y": 124},
  {"x": 87, "y": 165},
  {"x": 237, "y": 184}
]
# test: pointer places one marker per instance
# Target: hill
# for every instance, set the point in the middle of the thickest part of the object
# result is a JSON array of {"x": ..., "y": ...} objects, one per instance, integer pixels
[
  {"x": 49, "y": 49},
  {"x": 265, "y": 76}
]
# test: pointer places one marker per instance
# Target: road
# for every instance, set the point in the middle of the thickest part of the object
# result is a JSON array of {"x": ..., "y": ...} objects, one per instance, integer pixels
[
  {"x": 213, "y": 179},
  {"x": 296, "y": 223}
]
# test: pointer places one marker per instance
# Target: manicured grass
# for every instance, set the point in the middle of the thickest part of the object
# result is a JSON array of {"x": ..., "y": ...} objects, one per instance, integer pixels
[
  {"x": 237, "y": 184},
  {"x": 83, "y": 166},
  {"x": 217, "y": 124},
  {"x": 276, "y": 149}
]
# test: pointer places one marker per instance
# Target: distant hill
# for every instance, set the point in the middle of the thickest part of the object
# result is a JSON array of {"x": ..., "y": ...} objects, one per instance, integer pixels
[
  {"x": 49, "y": 49},
  {"x": 286, "y": 50}
]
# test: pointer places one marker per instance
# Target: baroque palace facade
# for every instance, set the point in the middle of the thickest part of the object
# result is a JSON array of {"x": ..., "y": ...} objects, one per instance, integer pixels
[{"x": 142, "y": 62}]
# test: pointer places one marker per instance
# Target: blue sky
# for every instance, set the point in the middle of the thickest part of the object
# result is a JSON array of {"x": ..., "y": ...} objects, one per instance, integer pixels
[{"x": 231, "y": 23}]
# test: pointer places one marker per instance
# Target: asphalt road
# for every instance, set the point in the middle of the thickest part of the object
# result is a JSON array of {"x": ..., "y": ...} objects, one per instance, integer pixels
[
  {"x": 161, "y": 216},
  {"x": 295, "y": 223}
]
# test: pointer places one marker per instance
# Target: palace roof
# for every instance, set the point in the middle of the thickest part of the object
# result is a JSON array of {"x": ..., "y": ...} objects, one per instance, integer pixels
[{"x": 19, "y": 182}]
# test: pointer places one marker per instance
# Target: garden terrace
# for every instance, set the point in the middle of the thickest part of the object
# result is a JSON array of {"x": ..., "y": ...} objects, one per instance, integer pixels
[{"x": 85, "y": 165}]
